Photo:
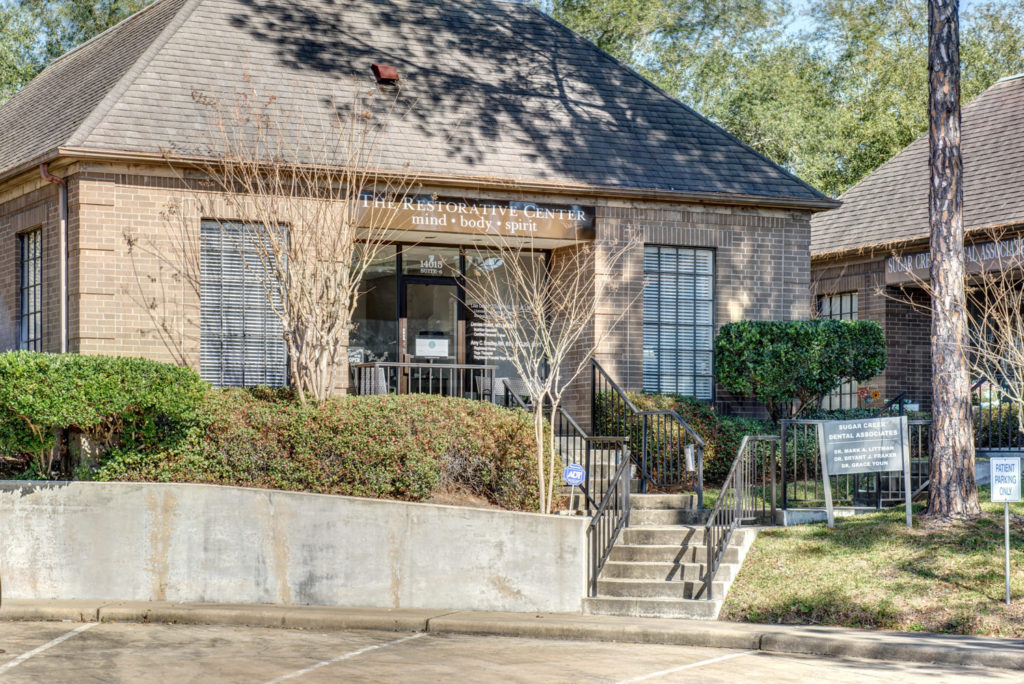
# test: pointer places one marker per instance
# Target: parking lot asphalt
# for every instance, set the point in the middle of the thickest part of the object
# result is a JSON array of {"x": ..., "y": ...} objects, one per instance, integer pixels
[{"x": 166, "y": 653}]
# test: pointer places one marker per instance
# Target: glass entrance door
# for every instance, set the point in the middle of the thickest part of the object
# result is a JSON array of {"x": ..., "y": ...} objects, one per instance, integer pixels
[
  {"x": 431, "y": 332},
  {"x": 431, "y": 336}
]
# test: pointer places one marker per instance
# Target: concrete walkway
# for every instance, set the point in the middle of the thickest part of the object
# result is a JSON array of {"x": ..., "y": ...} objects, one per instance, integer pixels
[{"x": 825, "y": 641}]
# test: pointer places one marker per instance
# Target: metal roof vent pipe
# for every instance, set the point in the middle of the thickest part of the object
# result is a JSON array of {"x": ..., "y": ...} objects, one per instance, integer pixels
[{"x": 385, "y": 74}]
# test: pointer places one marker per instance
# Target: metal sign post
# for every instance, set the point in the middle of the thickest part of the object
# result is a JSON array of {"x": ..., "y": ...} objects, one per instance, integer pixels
[{"x": 1004, "y": 479}]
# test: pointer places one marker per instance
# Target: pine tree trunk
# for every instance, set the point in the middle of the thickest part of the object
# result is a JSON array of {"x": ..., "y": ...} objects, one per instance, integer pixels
[{"x": 953, "y": 491}]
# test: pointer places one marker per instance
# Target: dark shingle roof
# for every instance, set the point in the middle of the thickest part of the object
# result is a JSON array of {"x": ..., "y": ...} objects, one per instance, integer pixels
[
  {"x": 890, "y": 205},
  {"x": 496, "y": 89}
]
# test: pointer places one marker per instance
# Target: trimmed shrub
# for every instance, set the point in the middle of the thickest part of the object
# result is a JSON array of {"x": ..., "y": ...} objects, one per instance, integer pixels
[
  {"x": 789, "y": 365},
  {"x": 722, "y": 435},
  {"x": 397, "y": 447},
  {"x": 137, "y": 403}
]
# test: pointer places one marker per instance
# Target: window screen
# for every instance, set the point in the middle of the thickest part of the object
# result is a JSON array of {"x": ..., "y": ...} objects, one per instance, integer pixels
[
  {"x": 242, "y": 341},
  {"x": 679, "y": 321},
  {"x": 840, "y": 307},
  {"x": 30, "y": 314}
]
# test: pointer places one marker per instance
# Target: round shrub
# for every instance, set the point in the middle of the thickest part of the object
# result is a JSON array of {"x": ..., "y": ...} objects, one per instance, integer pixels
[
  {"x": 137, "y": 403},
  {"x": 789, "y": 365}
]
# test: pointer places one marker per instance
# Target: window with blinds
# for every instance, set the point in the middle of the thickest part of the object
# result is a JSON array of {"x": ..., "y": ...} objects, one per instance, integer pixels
[
  {"x": 30, "y": 290},
  {"x": 242, "y": 340},
  {"x": 841, "y": 307},
  {"x": 679, "y": 321}
]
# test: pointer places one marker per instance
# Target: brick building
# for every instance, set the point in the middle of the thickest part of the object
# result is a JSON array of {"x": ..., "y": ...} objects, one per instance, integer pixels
[
  {"x": 870, "y": 256},
  {"x": 508, "y": 112}
]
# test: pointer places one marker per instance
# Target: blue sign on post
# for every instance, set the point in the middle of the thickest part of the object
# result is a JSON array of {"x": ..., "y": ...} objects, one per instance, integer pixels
[{"x": 574, "y": 474}]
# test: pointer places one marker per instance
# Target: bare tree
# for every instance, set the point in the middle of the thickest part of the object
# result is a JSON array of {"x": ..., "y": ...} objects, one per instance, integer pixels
[
  {"x": 315, "y": 206},
  {"x": 953, "y": 492},
  {"x": 545, "y": 312},
  {"x": 995, "y": 346}
]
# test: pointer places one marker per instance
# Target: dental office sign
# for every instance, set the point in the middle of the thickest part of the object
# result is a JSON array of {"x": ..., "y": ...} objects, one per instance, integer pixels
[
  {"x": 864, "y": 445},
  {"x": 507, "y": 219},
  {"x": 979, "y": 258}
]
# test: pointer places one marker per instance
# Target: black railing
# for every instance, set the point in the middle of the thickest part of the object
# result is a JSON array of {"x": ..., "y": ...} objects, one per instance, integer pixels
[
  {"x": 996, "y": 426},
  {"x": 896, "y": 402},
  {"x": 446, "y": 379},
  {"x": 609, "y": 517},
  {"x": 600, "y": 456},
  {"x": 800, "y": 468},
  {"x": 747, "y": 496},
  {"x": 665, "y": 449},
  {"x": 608, "y": 472}
]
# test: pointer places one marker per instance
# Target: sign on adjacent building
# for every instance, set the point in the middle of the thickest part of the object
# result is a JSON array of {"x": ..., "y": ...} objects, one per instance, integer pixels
[
  {"x": 978, "y": 258},
  {"x": 864, "y": 445}
]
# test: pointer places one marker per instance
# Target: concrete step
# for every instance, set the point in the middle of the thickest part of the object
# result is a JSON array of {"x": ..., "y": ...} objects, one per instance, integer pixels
[
  {"x": 667, "y": 553},
  {"x": 640, "y": 588},
  {"x": 640, "y": 607},
  {"x": 665, "y": 572},
  {"x": 663, "y": 501},
  {"x": 672, "y": 535},
  {"x": 660, "y": 517}
]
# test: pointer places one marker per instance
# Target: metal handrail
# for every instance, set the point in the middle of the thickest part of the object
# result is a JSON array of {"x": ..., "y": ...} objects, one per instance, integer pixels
[
  {"x": 448, "y": 379},
  {"x": 648, "y": 424},
  {"x": 511, "y": 396},
  {"x": 648, "y": 412},
  {"x": 409, "y": 364},
  {"x": 889, "y": 404},
  {"x": 740, "y": 481},
  {"x": 610, "y": 516}
]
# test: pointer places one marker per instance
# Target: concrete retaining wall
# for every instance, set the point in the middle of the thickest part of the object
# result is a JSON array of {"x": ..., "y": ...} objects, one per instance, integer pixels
[{"x": 183, "y": 542}]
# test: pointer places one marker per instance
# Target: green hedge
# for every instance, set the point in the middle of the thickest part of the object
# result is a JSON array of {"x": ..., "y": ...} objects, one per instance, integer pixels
[
  {"x": 789, "y": 365},
  {"x": 398, "y": 447},
  {"x": 136, "y": 403},
  {"x": 721, "y": 434}
]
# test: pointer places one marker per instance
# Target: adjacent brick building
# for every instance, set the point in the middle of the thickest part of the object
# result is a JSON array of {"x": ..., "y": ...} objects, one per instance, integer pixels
[
  {"x": 505, "y": 110},
  {"x": 873, "y": 251}
]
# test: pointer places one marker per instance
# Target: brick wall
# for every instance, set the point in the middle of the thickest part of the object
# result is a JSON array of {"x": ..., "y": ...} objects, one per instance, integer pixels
[
  {"x": 762, "y": 270},
  {"x": 902, "y": 313},
  {"x": 36, "y": 205},
  {"x": 133, "y": 261},
  {"x": 908, "y": 340}
]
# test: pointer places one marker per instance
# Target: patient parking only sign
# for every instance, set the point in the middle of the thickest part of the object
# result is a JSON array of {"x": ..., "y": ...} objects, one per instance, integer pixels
[{"x": 1004, "y": 476}]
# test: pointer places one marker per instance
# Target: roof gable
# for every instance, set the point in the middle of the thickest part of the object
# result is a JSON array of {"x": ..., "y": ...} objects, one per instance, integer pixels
[
  {"x": 494, "y": 90},
  {"x": 48, "y": 111},
  {"x": 890, "y": 205}
]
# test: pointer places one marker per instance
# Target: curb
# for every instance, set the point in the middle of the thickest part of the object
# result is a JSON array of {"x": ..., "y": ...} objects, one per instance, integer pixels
[{"x": 944, "y": 649}]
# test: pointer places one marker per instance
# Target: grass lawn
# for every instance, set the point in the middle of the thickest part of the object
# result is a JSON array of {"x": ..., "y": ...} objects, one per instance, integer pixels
[{"x": 871, "y": 571}]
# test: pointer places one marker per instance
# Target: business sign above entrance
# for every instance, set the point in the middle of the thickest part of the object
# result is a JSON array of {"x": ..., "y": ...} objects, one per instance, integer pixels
[
  {"x": 979, "y": 258},
  {"x": 506, "y": 219}
]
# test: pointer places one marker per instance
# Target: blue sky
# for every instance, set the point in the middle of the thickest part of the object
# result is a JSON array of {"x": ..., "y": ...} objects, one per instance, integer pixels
[{"x": 799, "y": 7}]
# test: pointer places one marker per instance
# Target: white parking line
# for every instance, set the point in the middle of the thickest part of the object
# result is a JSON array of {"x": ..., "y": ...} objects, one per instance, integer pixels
[
  {"x": 686, "y": 667},
  {"x": 346, "y": 656},
  {"x": 36, "y": 651}
]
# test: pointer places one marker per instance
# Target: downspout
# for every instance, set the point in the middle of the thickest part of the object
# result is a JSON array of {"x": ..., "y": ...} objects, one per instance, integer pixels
[{"x": 62, "y": 252}]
